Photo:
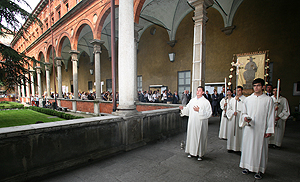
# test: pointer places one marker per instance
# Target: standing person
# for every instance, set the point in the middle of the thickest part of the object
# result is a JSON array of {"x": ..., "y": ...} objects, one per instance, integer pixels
[
  {"x": 175, "y": 98},
  {"x": 37, "y": 100},
  {"x": 221, "y": 96},
  {"x": 234, "y": 132},
  {"x": 269, "y": 88},
  {"x": 164, "y": 97},
  {"x": 258, "y": 122},
  {"x": 198, "y": 110},
  {"x": 214, "y": 103},
  {"x": 282, "y": 112},
  {"x": 207, "y": 96},
  {"x": 184, "y": 98},
  {"x": 224, "y": 104},
  {"x": 169, "y": 97}
]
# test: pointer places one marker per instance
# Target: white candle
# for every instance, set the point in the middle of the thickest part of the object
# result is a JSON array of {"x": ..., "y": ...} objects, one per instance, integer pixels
[{"x": 278, "y": 86}]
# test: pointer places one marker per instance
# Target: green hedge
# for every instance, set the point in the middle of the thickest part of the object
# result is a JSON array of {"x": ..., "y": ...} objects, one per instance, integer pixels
[
  {"x": 10, "y": 105},
  {"x": 54, "y": 113}
]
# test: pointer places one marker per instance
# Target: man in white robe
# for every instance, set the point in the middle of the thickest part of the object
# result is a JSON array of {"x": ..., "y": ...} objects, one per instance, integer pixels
[
  {"x": 258, "y": 122},
  {"x": 198, "y": 110},
  {"x": 234, "y": 132},
  {"x": 224, "y": 120},
  {"x": 282, "y": 112}
]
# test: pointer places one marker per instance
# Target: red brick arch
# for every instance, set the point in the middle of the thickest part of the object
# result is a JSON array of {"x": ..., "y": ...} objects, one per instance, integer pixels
[
  {"x": 137, "y": 7},
  {"x": 77, "y": 31},
  {"x": 101, "y": 19},
  {"x": 61, "y": 39},
  {"x": 48, "y": 53}
]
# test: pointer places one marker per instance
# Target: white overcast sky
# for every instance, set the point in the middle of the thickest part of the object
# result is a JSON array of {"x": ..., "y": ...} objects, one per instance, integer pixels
[{"x": 32, "y": 3}]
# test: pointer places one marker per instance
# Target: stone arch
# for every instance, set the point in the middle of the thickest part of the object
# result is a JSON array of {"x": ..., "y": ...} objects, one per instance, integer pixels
[{"x": 78, "y": 29}]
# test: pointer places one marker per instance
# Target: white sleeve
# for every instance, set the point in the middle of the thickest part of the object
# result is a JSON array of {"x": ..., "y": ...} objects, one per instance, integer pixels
[
  {"x": 230, "y": 109},
  {"x": 244, "y": 114},
  {"x": 185, "y": 110},
  {"x": 285, "y": 113}
]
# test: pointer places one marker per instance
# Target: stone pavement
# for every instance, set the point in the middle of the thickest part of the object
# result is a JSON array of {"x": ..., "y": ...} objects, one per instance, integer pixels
[{"x": 165, "y": 161}]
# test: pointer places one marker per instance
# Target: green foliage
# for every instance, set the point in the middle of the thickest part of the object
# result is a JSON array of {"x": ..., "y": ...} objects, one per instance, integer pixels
[
  {"x": 12, "y": 63},
  {"x": 54, "y": 113},
  {"x": 23, "y": 117},
  {"x": 10, "y": 105}
]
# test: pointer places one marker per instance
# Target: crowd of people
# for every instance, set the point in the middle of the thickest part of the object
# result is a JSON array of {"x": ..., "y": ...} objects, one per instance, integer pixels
[
  {"x": 250, "y": 125},
  {"x": 166, "y": 97}
]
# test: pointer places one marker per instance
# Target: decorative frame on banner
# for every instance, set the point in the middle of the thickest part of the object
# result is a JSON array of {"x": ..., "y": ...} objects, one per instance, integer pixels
[{"x": 249, "y": 66}]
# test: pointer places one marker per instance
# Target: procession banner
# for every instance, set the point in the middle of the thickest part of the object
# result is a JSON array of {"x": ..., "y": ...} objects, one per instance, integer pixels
[{"x": 252, "y": 67}]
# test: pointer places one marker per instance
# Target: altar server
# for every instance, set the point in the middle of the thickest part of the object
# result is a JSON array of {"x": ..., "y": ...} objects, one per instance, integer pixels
[
  {"x": 282, "y": 112},
  {"x": 198, "y": 110},
  {"x": 224, "y": 120},
  {"x": 258, "y": 122},
  {"x": 234, "y": 132}
]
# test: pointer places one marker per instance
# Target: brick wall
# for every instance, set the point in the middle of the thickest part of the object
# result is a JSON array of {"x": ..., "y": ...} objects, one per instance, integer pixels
[{"x": 85, "y": 106}]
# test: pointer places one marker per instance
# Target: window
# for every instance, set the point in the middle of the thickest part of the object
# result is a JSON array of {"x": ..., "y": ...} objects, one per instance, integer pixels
[
  {"x": 184, "y": 81},
  {"x": 67, "y": 6},
  {"x": 46, "y": 25},
  {"x": 59, "y": 15},
  {"x": 109, "y": 85},
  {"x": 270, "y": 72},
  {"x": 90, "y": 86},
  {"x": 139, "y": 83}
]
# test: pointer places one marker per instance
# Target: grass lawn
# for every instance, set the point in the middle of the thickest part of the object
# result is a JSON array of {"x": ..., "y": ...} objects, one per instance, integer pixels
[{"x": 23, "y": 117}]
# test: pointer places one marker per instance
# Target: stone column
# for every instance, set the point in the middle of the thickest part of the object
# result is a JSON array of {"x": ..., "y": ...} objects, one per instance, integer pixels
[
  {"x": 137, "y": 28},
  {"x": 59, "y": 78},
  {"x": 22, "y": 87},
  {"x": 126, "y": 58},
  {"x": 74, "y": 60},
  {"x": 47, "y": 65},
  {"x": 39, "y": 81},
  {"x": 27, "y": 88},
  {"x": 19, "y": 92},
  {"x": 200, "y": 19},
  {"x": 97, "y": 51},
  {"x": 32, "y": 82}
]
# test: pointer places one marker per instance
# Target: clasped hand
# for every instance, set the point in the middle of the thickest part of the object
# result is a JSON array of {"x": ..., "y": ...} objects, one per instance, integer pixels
[{"x": 196, "y": 108}]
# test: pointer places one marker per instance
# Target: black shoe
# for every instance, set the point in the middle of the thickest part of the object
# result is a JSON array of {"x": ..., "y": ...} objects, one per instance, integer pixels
[
  {"x": 245, "y": 171},
  {"x": 258, "y": 175},
  {"x": 229, "y": 151}
]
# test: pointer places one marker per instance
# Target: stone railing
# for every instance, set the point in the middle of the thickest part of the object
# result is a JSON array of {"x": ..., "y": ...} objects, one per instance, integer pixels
[{"x": 28, "y": 152}]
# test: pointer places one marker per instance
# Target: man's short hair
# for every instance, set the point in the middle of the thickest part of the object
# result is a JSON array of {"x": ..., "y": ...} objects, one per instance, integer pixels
[
  {"x": 258, "y": 80},
  {"x": 269, "y": 85},
  {"x": 201, "y": 88},
  {"x": 240, "y": 87}
]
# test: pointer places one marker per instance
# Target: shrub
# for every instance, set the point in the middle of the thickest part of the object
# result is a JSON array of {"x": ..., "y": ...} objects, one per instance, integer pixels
[{"x": 54, "y": 113}]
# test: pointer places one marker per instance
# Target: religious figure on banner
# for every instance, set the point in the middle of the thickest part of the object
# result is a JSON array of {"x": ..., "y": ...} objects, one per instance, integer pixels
[{"x": 249, "y": 74}]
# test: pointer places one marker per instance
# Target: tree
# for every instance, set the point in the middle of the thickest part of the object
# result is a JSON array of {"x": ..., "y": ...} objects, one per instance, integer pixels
[{"x": 13, "y": 65}]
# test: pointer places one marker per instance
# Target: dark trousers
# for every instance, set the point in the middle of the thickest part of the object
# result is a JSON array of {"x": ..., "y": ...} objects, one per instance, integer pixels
[{"x": 215, "y": 110}]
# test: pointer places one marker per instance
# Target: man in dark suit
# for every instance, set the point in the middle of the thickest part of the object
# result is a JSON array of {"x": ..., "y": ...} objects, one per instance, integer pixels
[
  {"x": 175, "y": 98},
  {"x": 221, "y": 96},
  {"x": 269, "y": 89},
  {"x": 215, "y": 103},
  {"x": 207, "y": 96}
]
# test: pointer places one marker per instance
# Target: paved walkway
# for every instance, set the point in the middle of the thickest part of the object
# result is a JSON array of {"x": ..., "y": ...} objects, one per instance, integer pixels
[{"x": 165, "y": 161}]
